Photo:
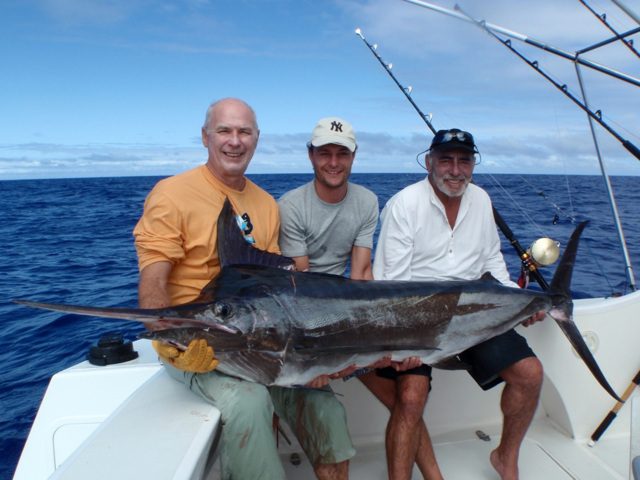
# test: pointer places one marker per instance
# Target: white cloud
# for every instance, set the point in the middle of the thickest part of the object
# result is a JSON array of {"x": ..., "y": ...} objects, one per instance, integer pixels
[{"x": 143, "y": 72}]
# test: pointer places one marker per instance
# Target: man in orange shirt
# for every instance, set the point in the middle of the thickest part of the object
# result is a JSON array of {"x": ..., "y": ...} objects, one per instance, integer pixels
[{"x": 176, "y": 244}]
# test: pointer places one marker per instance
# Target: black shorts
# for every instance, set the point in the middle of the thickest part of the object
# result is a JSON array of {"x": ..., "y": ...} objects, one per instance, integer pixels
[
  {"x": 489, "y": 358},
  {"x": 392, "y": 374}
]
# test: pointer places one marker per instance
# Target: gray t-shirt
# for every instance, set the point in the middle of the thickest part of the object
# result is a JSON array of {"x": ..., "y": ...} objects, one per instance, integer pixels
[{"x": 326, "y": 232}]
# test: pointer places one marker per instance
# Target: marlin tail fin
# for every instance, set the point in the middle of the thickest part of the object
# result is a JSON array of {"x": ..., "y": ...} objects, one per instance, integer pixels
[{"x": 562, "y": 312}]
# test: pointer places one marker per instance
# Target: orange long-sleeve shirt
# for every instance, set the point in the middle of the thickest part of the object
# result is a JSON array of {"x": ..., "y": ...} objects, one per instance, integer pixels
[{"x": 179, "y": 226}]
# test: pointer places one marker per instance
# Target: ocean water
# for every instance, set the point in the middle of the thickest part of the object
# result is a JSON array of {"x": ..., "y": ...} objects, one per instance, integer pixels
[{"x": 70, "y": 241}]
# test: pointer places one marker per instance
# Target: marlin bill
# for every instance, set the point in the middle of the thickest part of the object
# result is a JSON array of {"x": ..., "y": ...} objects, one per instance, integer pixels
[{"x": 275, "y": 326}]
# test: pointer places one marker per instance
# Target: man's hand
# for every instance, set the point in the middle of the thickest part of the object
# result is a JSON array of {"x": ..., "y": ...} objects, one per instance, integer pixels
[
  {"x": 197, "y": 358},
  {"x": 406, "y": 364},
  {"x": 536, "y": 317},
  {"x": 323, "y": 380},
  {"x": 382, "y": 363},
  {"x": 401, "y": 366}
]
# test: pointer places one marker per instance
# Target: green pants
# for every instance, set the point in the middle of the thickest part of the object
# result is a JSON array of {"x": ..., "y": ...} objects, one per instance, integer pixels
[{"x": 248, "y": 449}]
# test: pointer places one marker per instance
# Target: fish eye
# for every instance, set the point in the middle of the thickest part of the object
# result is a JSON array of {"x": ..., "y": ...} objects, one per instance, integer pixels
[{"x": 222, "y": 310}]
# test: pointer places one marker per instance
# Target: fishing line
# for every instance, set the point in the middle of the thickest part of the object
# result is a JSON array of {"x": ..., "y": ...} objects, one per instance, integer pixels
[
  {"x": 622, "y": 127},
  {"x": 514, "y": 203},
  {"x": 570, "y": 197},
  {"x": 559, "y": 210},
  {"x": 593, "y": 256}
]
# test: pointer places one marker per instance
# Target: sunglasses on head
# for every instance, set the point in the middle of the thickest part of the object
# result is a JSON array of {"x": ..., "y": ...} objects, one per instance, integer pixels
[{"x": 445, "y": 136}]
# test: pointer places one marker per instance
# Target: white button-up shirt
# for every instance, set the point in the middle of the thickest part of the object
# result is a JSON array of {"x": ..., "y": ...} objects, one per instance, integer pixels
[{"x": 417, "y": 243}]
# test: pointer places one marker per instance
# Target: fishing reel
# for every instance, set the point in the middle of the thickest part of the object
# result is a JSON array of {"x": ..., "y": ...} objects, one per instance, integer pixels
[{"x": 544, "y": 251}]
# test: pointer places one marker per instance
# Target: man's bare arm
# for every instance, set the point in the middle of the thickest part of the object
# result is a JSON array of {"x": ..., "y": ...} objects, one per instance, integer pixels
[
  {"x": 302, "y": 263},
  {"x": 361, "y": 263},
  {"x": 152, "y": 285}
]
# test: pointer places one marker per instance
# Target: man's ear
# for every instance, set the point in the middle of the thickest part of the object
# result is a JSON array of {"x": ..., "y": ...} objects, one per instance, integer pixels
[
  {"x": 205, "y": 138},
  {"x": 427, "y": 162}
]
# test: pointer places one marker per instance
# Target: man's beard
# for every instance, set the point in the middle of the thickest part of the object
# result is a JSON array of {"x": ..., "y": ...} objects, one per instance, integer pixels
[{"x": 440, "y": 184}]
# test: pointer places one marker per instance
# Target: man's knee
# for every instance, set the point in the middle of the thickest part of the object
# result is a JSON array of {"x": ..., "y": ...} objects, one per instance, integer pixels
[
  {"x": 526, "y": 373},
  {"x": 384, "y": 389},
  {"x": 332, "y": 470},
  {"x": 319, "y": 421},
  {"x": 412, "y": 395},
  {"x": 251, "y": 400},
  {"x": 243, "y": 405}
]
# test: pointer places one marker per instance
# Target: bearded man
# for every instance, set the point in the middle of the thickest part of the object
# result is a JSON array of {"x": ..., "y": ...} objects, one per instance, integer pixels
[{"x": 440, "y": 229}]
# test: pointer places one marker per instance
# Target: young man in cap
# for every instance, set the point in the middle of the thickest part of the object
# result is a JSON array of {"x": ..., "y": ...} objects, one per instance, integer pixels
[
  {"x": 442, "y": 228},
  {"x": 329, "y": 221}
]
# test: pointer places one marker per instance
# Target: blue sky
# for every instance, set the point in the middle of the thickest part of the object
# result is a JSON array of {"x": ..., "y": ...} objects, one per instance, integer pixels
[{"x": 120, "y": 87}]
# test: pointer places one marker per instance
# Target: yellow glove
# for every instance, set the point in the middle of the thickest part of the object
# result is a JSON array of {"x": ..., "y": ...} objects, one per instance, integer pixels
[
  {"x": 197, "y": 358},
  {"x": 165, "y": 351}
]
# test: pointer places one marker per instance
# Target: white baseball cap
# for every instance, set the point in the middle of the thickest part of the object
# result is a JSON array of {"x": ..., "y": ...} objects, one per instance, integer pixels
[{"x": 334, "y": 130}]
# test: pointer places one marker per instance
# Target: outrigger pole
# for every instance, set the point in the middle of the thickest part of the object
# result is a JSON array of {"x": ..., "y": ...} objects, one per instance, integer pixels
[
  {"x": 607, "y": 183},
  {"x": 493, "y": 30},
  {"x": 597, "y": 116},
  {"x": 618, "y": 36},
  {"x": 536, "y": 43},
  {"x": 527, "y": 262}
]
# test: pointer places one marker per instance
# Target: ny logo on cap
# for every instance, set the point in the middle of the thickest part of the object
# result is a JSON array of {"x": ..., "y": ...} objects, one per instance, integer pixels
[{"x": 336, "y": 126}]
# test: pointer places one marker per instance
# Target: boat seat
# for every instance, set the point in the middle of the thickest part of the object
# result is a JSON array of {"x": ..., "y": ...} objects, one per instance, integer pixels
[{"x": 162, "y": 431}]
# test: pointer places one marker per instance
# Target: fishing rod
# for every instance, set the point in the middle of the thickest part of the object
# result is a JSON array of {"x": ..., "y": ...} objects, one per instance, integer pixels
[
  {"x": 597, "y": 433},
  {"x": 535, "y": 43},
  {"x": 528, "y": 263},
  {"x": 597, "y": 115},
  {"x": 618, "y": 36},
  {"x": 405, "y": 90}
]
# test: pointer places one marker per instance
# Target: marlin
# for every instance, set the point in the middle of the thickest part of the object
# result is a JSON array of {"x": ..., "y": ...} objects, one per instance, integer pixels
[{"x": 270, "y": 324}]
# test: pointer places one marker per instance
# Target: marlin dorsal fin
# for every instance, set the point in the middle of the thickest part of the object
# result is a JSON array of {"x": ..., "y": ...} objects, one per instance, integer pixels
[
  {"x": 561, "y": 283},
  {"x": 233, "y": 249}
]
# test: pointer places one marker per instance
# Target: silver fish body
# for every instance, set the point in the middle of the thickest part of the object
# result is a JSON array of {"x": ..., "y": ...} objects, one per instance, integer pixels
[
  {"x": 291, "y": 326},
  {"x": 271, "y": 325}
]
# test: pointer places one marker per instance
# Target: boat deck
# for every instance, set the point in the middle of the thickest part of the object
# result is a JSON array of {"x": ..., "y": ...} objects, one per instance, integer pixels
[
  {"x": 74, "y": 421},
  {"x": 546, "y": 453}
]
